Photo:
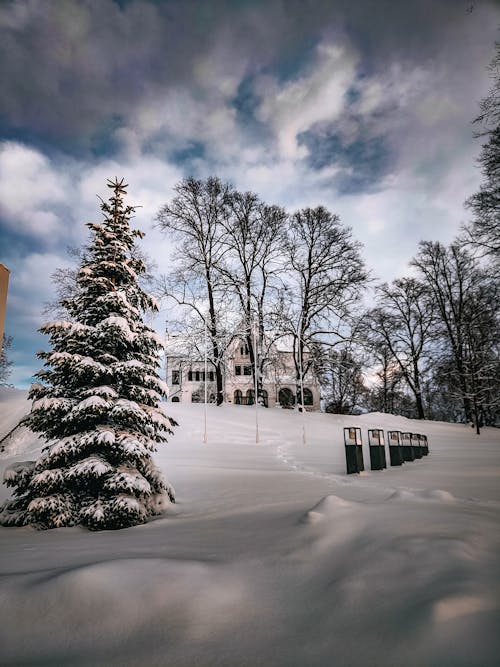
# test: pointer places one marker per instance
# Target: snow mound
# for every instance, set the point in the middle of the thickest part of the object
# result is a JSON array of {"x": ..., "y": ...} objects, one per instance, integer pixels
[
  {"x": 265, "y": 564},
  {"x": 104, "y": 602},
  {"x": 450, "y": 608},
  {"x": 423, "y": 495},
  {"x": 328, "y": 507}
]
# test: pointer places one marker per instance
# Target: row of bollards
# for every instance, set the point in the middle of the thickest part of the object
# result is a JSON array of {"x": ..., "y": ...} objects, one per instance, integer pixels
[{"x": 403, "y": 447}]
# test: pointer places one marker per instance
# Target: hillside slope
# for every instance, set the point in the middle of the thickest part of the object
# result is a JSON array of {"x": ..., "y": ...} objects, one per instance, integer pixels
[{"x": 272, "y": 556}]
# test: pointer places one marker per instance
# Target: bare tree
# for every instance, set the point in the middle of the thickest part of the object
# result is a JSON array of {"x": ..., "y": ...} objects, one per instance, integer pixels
[
  {"x": 402, "y": 325},
  {"x": 340, "y": 373},
  {"x": 484, "y": 232},
  {"x": 250, "y": 268},
  {"x": 465, "y": 297},
  {"x": 389, "y": 376},
  {"x": 194, "y": 218},
  {"x": 482, "y": 342},
  {"x": 387, "y": 395},
  {"x": 324, "y": 276}
]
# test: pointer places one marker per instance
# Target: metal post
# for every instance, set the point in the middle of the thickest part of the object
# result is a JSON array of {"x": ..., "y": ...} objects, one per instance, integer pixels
[
  {"x": 255, "y": 358},
  {"x": 301, "y": 371},
  {"x": 205, "y": 411},
  {"x": 165, "y": 353}
]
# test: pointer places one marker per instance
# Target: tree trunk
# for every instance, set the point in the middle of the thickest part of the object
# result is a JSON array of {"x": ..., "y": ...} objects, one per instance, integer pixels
[
  {"x": 219, "y": 382},
  {"x": 420, "y": 405}
]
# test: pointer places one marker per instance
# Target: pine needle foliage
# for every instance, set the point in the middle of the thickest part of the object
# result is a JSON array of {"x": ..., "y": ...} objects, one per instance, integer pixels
[{"x": 97, "y": 400}]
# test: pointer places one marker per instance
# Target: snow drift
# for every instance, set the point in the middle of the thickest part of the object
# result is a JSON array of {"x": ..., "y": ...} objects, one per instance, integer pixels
[{"x": 272, "y": 555}]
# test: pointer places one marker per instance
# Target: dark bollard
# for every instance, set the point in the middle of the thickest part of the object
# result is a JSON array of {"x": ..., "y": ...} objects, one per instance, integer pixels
[
  {"x": 377, "y": 449},
  {"x": 395, "y": 448},
  {"x": 353, "y": 450},
  {"x": 424, "y": 445},
  {"x": 415, "y": 443},
  {"x": 407, "y": 449}
]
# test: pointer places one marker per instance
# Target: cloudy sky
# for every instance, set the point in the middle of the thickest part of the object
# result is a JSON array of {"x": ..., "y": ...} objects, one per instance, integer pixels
[{"x": 364, "y": 106}]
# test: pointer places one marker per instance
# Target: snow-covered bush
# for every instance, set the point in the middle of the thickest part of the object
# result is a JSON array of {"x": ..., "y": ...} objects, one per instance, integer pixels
[{"x": 97, "y": 402}]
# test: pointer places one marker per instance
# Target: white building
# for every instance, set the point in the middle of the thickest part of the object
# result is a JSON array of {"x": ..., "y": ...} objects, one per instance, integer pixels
[{"x": 185, "y": 377}]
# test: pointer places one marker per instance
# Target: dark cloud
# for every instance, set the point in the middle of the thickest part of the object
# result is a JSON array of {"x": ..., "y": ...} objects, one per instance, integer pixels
[
  {"x": 364, "y": 106},
  {"x": 73, "y": 69},
  {"x": 69, "y": 67},
  {"x": 362, "y": 163}
]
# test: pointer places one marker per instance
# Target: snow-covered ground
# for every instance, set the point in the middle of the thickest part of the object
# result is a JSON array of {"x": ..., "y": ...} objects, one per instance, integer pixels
[{"x": 272, "y": 556}]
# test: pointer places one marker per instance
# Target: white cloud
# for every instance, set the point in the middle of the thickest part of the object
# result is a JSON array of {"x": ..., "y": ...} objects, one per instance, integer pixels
[
  {"x": 204, "y": 112},
  {"x": 196, "y": 111},
  {"x": 180, "y": 119},
  {"x": 313, "y": 97},
  {"x": 151, "y": 183},
  {"x": 30, "y": 279},
  {"x": 417, "y": 111},
  {"x": 29, "y": 188},
  {"x": 399, "y": 86}
]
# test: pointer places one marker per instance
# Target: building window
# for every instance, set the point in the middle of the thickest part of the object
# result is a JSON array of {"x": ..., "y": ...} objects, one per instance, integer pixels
[
  {"x": 190, "y": 376},
  {"x": 175, "y": 399},
  {"x": 250, "y": 397},
  {"x": 237, "y": 397},
  {"x": 176, "y": 377},
  {"x": 264, "y": 398},
  {"x": 211, "y": 376},
  {"x": 247, "y": 370},
  {"x": 308, "y": 396},
  {"x": 244, "y": 350},
  {"x": 197, "y": 376},
  {"x": 237, "y": 370},
  {"x": 286, "y": 398}
]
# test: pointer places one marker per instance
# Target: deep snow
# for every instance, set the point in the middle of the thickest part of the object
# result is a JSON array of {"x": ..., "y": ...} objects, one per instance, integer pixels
[{"x": 271, "y": 556}]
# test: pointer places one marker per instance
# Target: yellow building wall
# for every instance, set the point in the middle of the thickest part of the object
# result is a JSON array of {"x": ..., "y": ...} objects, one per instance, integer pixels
[{"x": 4, "y": 284}]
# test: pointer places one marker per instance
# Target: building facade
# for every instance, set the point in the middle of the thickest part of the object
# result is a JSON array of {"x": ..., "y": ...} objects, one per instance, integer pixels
[
  {"x": 185, "y": 378},
  {"x": 4, "y": 286}
]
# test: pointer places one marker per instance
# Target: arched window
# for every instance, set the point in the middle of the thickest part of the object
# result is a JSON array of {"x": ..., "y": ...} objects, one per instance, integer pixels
[
  {"x": 308, "y": 396},
  {"x": 250, "y": 396},
  {"x": 286, "y": 398},
  {"x": 237, "y": 397},
  {"x": 264, "y": 398},
  {"x": 175, "y": 399}
]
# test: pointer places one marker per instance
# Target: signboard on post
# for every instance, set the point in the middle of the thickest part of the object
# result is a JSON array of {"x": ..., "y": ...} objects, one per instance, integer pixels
[
  {"x": 377, "y": 449},
  {"x": 415, "y": 443},
  {"x": 352, "y": 436},
  {"x": 407, "y": 448},
  {"x": 395, "y": 449},
  {"x": 353, "y": 449}
]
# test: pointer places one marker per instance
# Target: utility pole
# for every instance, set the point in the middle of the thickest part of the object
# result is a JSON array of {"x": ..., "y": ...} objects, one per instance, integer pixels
[
  {"x": 206, "y": 373},
  {"x": 165, "y": 352},
  {"x": 301, "y": 371},
  {"x": 255, "y": 358}
]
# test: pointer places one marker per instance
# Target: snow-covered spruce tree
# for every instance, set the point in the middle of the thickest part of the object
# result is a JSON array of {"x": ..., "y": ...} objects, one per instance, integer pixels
[{"x": 97, "y": 402}]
